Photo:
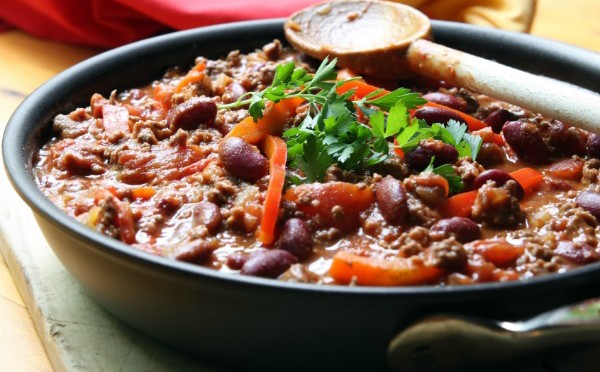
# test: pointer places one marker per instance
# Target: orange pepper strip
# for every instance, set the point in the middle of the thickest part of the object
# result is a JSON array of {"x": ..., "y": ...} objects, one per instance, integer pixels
[
  {"x": 498, "y": 251},
  {"x": 272, "y": 122},
  {"x": 487, "y": 135},
  {"x": 163, "y": 94},
  {"x": 568, "y": 169},
  {"x": 529, "y": 178},
  {"x": 195, "y": 75},
  {"x": 459, "y": 205},
  {"x": 276, "y": 151},
  {"x": 379, "y": 271},
  {"x": 352, "y": 200},
  {"x": 142, "y": 192},
  {"x": 397, "y": 150},
  {"x": 433, "y": 180},
  {"x": 362, "y": 89}
]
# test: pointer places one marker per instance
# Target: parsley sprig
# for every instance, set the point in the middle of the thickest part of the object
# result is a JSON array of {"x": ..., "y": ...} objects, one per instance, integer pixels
[
  {"x": 333, "y": 133},
  {"x": 447, "y": 171}
]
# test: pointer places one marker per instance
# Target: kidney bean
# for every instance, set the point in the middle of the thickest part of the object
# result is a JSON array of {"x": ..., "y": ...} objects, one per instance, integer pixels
[
  {"x": 464, "y": 229},
  {"x": 419, "y": 158},
  {"x": 296, "y": 238},
  {"x": 392, "y": 200},
  {"x": 590, "y": 201},
  {"x": 269, "y": 264},
  {"x": 233, "y": 92},
  {"x": 500, "y": 178},
  {"x": 236, "y": 260},
  {"x": 437, "y": 115},
  {"x": 448, "y": 100},
  {"x": 496, "y": 119},
  {"x": 195, "y": 251},
  {"x": 443, "y": 152},
  {"x": 579, "y": 254},
  {"x": 592, "y": 147},
  {"x": 527, "y": 141},
  {"x": 192, "y": 113},
  {"x": 207, "y": 214},
  {"x": 242, "y": 160}
]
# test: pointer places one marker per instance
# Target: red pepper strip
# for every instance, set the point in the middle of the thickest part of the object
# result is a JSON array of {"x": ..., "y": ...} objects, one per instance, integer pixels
[
  {"x": 529, "y": 178},
  {"x": 272, "y": 122},
  {"x": 276, "y": 151}
]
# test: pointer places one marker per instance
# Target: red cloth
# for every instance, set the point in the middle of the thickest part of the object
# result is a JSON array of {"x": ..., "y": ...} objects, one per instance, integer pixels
[{"x": 108, "y": 23}]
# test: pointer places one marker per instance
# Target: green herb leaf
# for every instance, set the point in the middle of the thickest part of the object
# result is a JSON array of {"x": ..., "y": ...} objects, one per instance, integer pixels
[
  {"x": 377, "y": 124},
  {"x": 397, "y": 119},
  {"x": 474, "y": 143},
  {"x": 404, "y": 95},
  {"x": 332, "y": 131},
  {"x": 447, "y": 171}
]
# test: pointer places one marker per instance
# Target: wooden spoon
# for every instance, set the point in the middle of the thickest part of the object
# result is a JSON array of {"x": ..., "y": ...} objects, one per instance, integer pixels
[{"x": 390, "y": 40}]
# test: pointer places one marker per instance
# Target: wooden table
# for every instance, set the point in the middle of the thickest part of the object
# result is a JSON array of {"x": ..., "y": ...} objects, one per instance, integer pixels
[{"x": 27, "y": 62}]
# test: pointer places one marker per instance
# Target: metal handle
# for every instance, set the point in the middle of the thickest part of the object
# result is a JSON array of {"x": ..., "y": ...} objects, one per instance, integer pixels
[{"x": 453, "y": 343}]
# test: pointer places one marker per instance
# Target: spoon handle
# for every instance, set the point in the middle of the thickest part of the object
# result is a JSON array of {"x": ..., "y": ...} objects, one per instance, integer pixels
[{"x": 552, "y": 98}]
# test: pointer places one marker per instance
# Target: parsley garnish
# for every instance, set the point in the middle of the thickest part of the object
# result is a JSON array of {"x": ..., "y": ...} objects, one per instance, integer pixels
[
  {"x": 331, "y": 133},
  {"x": 447, "y": 171}
]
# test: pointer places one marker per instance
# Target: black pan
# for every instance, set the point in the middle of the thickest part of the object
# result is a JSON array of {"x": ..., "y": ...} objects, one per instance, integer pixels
[{"x": 253, "y": 323}]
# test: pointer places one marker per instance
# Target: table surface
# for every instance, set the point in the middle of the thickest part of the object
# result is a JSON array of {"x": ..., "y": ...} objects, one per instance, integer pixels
[{"x": 27, "y": 62}]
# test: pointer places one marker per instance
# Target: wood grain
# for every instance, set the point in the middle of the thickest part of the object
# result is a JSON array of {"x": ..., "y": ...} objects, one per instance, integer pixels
[{"x": 27, "y": 62}]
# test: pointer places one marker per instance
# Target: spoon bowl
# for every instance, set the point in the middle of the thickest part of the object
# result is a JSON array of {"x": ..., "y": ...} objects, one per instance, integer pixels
[{"x": 368, "y": 36}]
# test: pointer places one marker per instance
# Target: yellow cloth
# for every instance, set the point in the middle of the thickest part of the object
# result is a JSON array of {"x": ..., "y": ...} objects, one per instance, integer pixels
[{"x": 514, "y": 15}]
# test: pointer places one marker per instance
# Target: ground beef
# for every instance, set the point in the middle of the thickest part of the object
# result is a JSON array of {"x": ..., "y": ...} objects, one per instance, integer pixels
[
  {"x": 420, "y": 213},
  {"x": 393, "y": 166},
  {"x": 106, "y": 217},
  {"x": 497, "y": 206},
  {"x": 335, "y": 173},
  {"x": 468, "y": 170},
  {"x": 160, "y": 130},
  {"x": 227, "y": 119},
  {"x": 72, "y": 125},
  {"x": 159, "y": 184},
  {"x": 590, "y": 178},
  {"x": 449, "y": 254},
  {"x": 299, "y": 273}
]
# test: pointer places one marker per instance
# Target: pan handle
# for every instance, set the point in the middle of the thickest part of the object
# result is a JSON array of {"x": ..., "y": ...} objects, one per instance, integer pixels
[{"x": 455, "y": 343}]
